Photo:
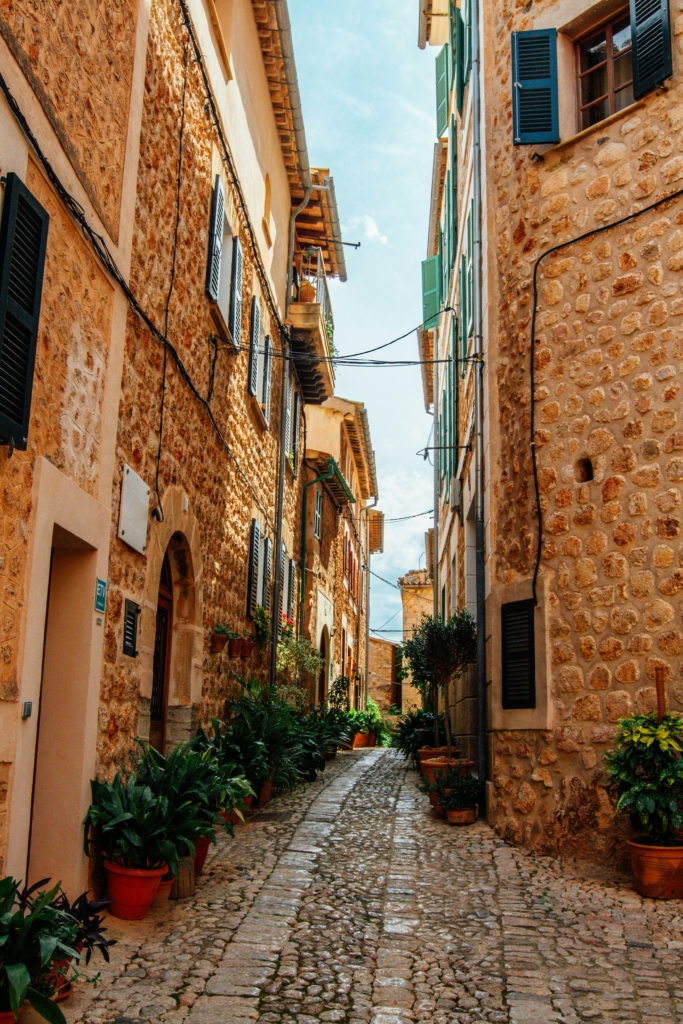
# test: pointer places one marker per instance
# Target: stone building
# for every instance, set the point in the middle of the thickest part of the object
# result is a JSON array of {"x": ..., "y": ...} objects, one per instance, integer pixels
[
  {"x": 567, "y": 332},
  {"x": 339, "y": 535},
  {"x": 163, "y": 199},
  {"x": 417, "y": 600},
  {"x": 383, "y": 684}
]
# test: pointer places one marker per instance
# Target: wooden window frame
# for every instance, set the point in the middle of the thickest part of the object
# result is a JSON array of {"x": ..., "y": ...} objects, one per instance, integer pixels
[{"x": 610, "y": 95}]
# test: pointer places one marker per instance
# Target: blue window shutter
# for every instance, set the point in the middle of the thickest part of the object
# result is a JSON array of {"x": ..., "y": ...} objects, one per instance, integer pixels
[
  {"x": 254, "y": 340},
  {"x": 431, "y": 292},
  {"x": 442, "y": 83},
  {"x": 459, "y": 59},
  {"x": 267, "y": 378},
  {"x": 23, "y": 242},
  {"x": 651, "y": 42},
  {"x": 213, "y": 267},
  {"x": 235, "y": 324},
  {"x": 535, "y": 114}
]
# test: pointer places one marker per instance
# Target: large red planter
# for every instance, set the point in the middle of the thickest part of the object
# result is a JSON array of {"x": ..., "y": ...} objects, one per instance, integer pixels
[
  {"x": 265, "y": 792},
  {"x": 201, "y": 849},
  {"x": 658, "y": 870},
  {"x": 132, "y": 890},
  {"x": 218, "y": 642},
  {"x": 363, "y": 739},
  {"x": 7, "y": 1017}
]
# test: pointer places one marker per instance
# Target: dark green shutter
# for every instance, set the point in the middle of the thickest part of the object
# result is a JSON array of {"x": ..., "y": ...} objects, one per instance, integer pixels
[
  {"x": 535, "y": 113},
  {"x": 447, "y": 235},
  {"x": 213, "y": 269},
  {"x": 23, "y": 240},
  {"x": 467, "y": 49},
  {"x": 267, "y": 377},
  {"x": 291, "y": 588},
  {"x": 451, "y": 37},
  {"x": 254, "y": 341},
  {"x": 651, "y": 42},
  {"x": 442, "y": 82},
  {"x": 295, "y": 433},
  {"x": 462, "y": 292},
  {"x": 235, "y": 324},
  {"x": 453, "y": 161},
  {"x": 470, "y": 270},
  {"x": 431, "y": 292},
  {"x": 267, "y": 572},
  {"x": 131, "y": 613},
  {"x": 282, "y": 576},
  {"x": 254, "y": 553},
  {"x": 288, "y": 412},
  {"x": 517, "y": 645},
  {"x": 459, "y": 60}
]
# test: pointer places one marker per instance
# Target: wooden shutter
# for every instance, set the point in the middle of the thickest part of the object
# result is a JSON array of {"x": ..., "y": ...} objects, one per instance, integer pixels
[
  {"x": 254, "y": 552},
  {"x": 517, "y": 642},
  {"x": 651, "y": 42},
  {"x": 254, "y": 340},
  {"x": 267, "y": 572},
  {"x": 282, "y": 604},
  {"x": 235, "y": 324},
  {"x": 295, "y": 433},
  {"x": 213, "y": 267},
  {"x": 467, "y": 42},
  {"x": 442, "y": 82},
  {"x": 23, "y": 240},
  {"x": 267, "y": 378},
  {"x": 535, "y": 113},
  {"x": 288, "y": 413},
  {"x": 130, "y": 628},
  {"x": 459, "y": 60},
  {"x": 431, "y": 292},
  {"x": 453, "y": 161},
  {"x": 291, "y": 588}
]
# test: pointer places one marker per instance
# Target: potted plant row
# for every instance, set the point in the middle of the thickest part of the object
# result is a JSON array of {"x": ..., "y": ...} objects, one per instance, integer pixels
[
  {"x": 453, "y": 793},
  {"x": 240, "y": 645}
]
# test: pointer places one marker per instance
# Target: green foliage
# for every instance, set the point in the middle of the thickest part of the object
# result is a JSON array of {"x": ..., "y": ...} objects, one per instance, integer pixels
[
  {"x": 296, "y": 657},
  {"x": 369, "y": 720},
  {"x": 262, "y": 627},
  {"x": 138, "y": 829},
  {"x": 338, "y": 695},
  {"x": 460, "y": 793},
  {"x": 415, "y": 730},
  {"x": 646, "y": 769},
  {"x": 33, "y": 935},
  {"x": 223, "y": 630},
  {"x": 439, "y": 650},
  {"x": 237, "y": 748}
]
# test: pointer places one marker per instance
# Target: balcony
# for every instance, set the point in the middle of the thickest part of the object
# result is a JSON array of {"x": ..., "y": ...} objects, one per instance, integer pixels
[{"x": 310, "y": 313}]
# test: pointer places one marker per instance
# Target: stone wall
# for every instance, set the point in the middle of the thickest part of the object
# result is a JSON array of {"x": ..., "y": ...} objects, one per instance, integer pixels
[
  {"x": 417, "y": 599},
  {"x": 609, "y": 350},
  {"x": 223, "y": 487},
  {"x": 382, "y": 685},
  {"x": 78, "y": 59}
]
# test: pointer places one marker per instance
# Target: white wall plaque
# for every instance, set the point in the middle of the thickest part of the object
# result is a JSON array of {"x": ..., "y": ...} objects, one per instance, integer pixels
[{"x": 134, "y": 510}]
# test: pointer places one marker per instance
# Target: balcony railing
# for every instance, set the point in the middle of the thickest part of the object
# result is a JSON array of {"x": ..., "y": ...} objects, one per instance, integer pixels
[{"x": 310, "y": 284}]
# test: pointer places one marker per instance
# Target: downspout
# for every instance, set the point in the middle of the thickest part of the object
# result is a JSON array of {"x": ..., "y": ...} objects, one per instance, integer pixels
[
  {"x": 480, "y": 537},
  {"x": 277, "y": 590},
  {"x": 365, "y": 585},
  {"x": 302, "y": 595}
]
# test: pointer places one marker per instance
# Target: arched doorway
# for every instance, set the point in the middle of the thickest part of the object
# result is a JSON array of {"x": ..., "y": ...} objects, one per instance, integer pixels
[{"x": 162, "y": 659}]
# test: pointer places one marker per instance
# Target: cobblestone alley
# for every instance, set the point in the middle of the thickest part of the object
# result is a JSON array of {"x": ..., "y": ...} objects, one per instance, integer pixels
[{"x": 348, "y": 902}]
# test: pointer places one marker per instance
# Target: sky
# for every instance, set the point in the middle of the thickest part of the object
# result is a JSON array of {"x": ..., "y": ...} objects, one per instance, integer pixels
[{"x": 369, "y": 111}]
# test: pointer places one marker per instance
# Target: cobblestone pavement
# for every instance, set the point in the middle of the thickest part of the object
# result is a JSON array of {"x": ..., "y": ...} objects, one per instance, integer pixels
[{"x": 362, "y": 907}]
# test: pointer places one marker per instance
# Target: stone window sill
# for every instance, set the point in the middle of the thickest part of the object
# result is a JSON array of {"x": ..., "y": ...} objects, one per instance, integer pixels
[
  {"x": 556, "y": 147},
  {"x": 259, "y": 414}
]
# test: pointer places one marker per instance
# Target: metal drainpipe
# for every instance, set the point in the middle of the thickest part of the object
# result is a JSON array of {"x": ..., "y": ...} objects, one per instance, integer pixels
[
  {"x": 302, "y": 595},
  {"x": 277, "y": 595},
  {"x": 366, "y": 509},
  {"x": 480, "y": 537},
  {"x": 436, "y": 476}
]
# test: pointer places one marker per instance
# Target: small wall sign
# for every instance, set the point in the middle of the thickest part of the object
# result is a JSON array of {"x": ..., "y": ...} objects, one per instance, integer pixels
[
  {"x": 134, "y": 511},
  {"x": 100, "y": 595}
]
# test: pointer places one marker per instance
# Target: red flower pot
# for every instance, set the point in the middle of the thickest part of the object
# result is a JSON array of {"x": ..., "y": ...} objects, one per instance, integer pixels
[
  {"x": 7, "y": 1017},
  {"x": 265, "y": 792},
  {"x": 235, "y": 648},
  {"x": 160, "y": 901},
  {"x": 658, "y": 870},
  {"x": 201, "y": 849},
  {"x": 363, "y": 739},
  {"x": 218, "y": 642},
  {"x": 462, "y": 816},
  {"x": 132, "y": 890},
  {"x": 247, "y": 647}
]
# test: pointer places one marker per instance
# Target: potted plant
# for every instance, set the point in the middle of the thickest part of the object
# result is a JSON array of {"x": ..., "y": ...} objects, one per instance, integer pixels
[
  {"x": 261, "y": 629},
  {"x": 248, "y": 645},
  {"x": 34, "y": 934},
  {"x": 461, "y": 799},
  {"x": 646, "y": 770},
  {"x": 141, "y": 836},
  {"x": 88, "y": 937},
  {"x": 220, "y": 636}
]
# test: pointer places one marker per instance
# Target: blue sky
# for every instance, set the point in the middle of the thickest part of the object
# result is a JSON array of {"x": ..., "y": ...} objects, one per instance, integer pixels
[{"x": 368, "y": 102}]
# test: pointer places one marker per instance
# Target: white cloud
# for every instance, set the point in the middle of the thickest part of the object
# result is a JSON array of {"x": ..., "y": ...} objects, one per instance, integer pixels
[{"x": 372, "y": 231}]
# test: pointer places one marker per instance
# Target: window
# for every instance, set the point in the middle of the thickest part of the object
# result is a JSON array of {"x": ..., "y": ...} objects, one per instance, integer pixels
[
  {"x": 318, "y": 514},
  {"x": 605, "y": 70},
  {"x": 224, "y": 269},
  {"x": 259, "y": 590},
  {"x": 517, "y": 642},
  {"x": 260, "y": 361}
]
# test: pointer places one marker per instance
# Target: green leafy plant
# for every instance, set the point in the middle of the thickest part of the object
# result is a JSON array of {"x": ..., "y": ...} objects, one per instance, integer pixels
[
  {"x": 370, "y": 721},
  {"x": 222, "y": 630},
  {"x": 262, "y": 627},
  {"x": 34, "y": 934},
  {"x": 646, "y": 770},
  {"x": 295, "y": 657},
  {"x": 338, "y": 695},
  {"x": 460, "y": 793},
  {"x": 415, "y": 730},
  {"x": 238, "y": 748},
  {"x": 138, "y": 829}
]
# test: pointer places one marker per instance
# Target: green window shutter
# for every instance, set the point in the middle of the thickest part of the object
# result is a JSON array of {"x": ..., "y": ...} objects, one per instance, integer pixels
[
  {"x": 462, "y": 290},
  {"x": 535, "y": 110},
  {"x": 431, "y": 292},
  {"x": 254, "y": 553},
  {"x": 651, "y": 42},
  {"x": 442, "y": 83},
  {"x": 449, "y": 439},
  {"x": 213, "y": 267},
  {"x": 254, "y": 342},
  {"x": 23, "y": 242},
  {"x": 470, "y": 270},
  {"x": 453, "y": 161},
  {"x": 517, "y": 649},
  {"x": 267, "y": 378},
  {"x": 235, "y": 324},
  {"x": 267, "y": 572},
  {"x": 451, "y": 37},
  {"x": 467, "y": 55},
  {"x": 459, "y": 59},
  {"x": 447, "y": 236}
]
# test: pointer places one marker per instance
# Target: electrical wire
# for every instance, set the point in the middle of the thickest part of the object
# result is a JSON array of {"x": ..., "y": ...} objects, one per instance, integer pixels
[
  {"x": 563, "y": 245},
  {"x": 417, "y": 515},
  {"x": 383, "y": 580}
]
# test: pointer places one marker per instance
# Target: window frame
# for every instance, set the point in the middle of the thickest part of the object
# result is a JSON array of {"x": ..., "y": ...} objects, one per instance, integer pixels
[
  {"x": 318, "y": 514},
  {"x": 611, "y": 93}
]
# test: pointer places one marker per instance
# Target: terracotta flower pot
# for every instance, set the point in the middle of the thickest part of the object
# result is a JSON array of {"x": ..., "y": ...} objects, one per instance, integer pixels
[
  {"x": 7, "y": 1017},
  {"x": 218, "y": 642},
  {"x": 658, "y": 870},
  {"x": 160, "y": 901},
  {"x": 439, "y": 811},
  {"x": 247, "y": 647},
  {"x": 132, "y": 890},
  {"x": 363, "y": 739},
  {"x": 266, "y": 791},
  {"x": 234, "y": 648},
  {"x": 201, "y": 849},
  {"x": 431, "y": 766},
  {"x": 462, "y": 816},
  {"x": 184, "y": 884}
]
